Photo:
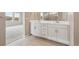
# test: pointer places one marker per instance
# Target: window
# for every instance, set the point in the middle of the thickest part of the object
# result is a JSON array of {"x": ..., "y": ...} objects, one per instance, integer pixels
[{"x": 13, "y": 18}]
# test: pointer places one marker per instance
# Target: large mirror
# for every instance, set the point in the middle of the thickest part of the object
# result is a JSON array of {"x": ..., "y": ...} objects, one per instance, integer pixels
[{"x": 54, "y": 16}]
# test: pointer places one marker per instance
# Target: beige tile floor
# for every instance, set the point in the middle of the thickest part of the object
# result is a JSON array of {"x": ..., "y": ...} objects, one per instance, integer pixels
[{"x": 34, "y": 41}]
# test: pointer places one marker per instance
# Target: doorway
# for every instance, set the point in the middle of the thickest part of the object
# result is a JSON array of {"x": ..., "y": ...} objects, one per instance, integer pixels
[{"x": 14, "y": 26}]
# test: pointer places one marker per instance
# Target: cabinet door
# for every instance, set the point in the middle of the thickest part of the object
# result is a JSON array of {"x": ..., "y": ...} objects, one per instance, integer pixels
[
  {"x": 51, "y": 32},
  {"x": 35, "y": 29},
  {"x": 62, "y": 35}
]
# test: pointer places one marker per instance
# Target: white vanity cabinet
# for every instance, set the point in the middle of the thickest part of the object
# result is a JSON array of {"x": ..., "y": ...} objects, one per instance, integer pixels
[{"x": 51, "y": 31}]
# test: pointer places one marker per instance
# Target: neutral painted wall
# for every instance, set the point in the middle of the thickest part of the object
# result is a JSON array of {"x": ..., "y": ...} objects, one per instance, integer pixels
[
  {"x": 76, "y": 28},
  {"x": 73, "y": 17},
  {"x": 2, "y": 28},
  {"x": 27, "y": 23}
]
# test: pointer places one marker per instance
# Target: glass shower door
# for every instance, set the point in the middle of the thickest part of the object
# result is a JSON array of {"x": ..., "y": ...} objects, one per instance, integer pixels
[{"x": 14, "y": 26}]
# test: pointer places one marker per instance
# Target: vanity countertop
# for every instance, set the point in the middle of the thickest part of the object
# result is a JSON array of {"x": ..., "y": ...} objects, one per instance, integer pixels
[
  {"x": 55, "y": 22},
  {"x": 51, "y": 22}
]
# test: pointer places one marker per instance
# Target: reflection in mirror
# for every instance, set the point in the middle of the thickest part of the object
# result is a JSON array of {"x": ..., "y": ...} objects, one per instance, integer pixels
[
  {"x": 54, "y": 16},
  {"x": 50, "y": 16}
]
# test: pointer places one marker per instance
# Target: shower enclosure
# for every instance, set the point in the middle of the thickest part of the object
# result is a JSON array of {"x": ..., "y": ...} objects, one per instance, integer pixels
[{"x": 14, "y": 26}]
